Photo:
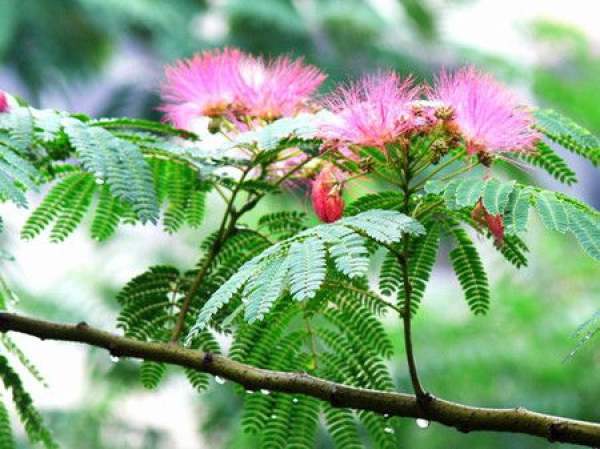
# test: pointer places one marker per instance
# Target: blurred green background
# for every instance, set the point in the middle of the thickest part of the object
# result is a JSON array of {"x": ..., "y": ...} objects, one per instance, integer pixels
[{"x": 105, "y": 57}]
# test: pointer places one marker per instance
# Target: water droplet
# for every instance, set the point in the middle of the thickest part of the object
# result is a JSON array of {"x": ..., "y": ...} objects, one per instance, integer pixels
[
  {"x": 219, "y": 380},
  {"x": 264, "y": 391},
  {"x": 422, "y": 423},
  {"x": 388, "y": 430},
  {"x": 114, "y": 358},
  {"x": 295, "y": 400}
]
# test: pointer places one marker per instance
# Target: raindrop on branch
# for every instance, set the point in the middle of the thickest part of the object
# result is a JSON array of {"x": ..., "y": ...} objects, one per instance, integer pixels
[{"x": 422, "y": 423}]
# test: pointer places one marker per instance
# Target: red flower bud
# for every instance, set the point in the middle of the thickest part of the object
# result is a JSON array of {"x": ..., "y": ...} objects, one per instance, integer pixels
[
  {"x": 3, "y": 102},
  {"x": 326, "y": 194},
  {"x": 494, "y": 223}
]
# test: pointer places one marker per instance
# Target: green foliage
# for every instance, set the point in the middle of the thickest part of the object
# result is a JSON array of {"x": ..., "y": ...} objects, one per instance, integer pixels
[
  {"x": 421, "y": 260},
  {"x": 150, "y": 304},
  {"x": 305, "y": 255},
  {"x": 151, "y": 373},
  {"x": 117, "y": 162},
  {"x": 7, "y": 440},
  {"x": 283, "y": 225},
  {"x": 495, "y": 195},
  {"x": 547, "y": 159},
  {"x": 570, "y": 135},
  {"x": 29, "y": 416},
  {"x": 470, "y": 272},
  {"x": 388, "y": 200},
  {"x": 557, "y": 211}
]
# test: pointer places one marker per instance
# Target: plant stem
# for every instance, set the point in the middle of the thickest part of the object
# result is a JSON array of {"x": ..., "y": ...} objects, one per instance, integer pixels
[
  {"x": 225, "y": 229},
  {"x": 406, "y": 312}
]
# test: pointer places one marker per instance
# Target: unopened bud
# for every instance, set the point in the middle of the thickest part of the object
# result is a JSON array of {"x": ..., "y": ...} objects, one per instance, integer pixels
[{"x": 326, "y": 194}]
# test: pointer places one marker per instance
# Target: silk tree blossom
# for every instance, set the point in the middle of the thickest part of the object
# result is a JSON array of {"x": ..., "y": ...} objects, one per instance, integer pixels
[
  {"x": 233, "y": 84},
  {"x": 374, "y": 111},
  {"x": 205, "y": 85},
  {"x": 281, "y": 87},
  {"x": 487, "y": 114},
  {"x": 4, "y": 107},
  {"x": 326, "y": 194}
]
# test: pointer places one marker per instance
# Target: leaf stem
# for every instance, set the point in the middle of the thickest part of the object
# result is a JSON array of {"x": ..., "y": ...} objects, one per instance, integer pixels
[{"x": 406, "y": 311}]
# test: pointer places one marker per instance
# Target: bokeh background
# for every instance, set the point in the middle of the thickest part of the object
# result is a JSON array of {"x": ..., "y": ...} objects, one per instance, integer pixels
[{"x": 106, "y": 57}]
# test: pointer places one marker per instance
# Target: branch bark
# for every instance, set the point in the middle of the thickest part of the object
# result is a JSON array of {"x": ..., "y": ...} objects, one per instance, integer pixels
[{"x": 462, "y": 417}]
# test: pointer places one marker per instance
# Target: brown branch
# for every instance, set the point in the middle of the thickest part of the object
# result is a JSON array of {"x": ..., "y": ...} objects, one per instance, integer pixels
[{"x": 462, "y": 417}]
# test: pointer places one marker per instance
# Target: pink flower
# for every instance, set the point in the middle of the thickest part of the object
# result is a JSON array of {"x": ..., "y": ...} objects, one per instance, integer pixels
[
  {"x": 373, "y": 111},
  {"x": 326, "y": 194},
  {"x": 487, "y": 114},
  {"x": 3, "y": 102},
  {"x": 277, "y": 88},
  {"x": 231, "y": 83},
  {"x": 206, "y": 84}
]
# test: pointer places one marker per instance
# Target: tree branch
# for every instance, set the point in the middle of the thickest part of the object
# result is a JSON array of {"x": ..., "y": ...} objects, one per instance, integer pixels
[{"x": 462, "y": 417}]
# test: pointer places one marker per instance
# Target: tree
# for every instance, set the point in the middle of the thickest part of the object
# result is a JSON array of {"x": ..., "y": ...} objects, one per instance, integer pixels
[{"x": 297, "y": 300}]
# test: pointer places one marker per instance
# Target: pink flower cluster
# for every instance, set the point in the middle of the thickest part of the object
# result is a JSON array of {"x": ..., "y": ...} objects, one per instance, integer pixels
[
  {"x": 383, "y": 109},
  {"x": 3, "y": 102},
  {"x": 468, "y": 107},
  {"x": 488, "y": 115},
  {"x": 231, "y": 83}
]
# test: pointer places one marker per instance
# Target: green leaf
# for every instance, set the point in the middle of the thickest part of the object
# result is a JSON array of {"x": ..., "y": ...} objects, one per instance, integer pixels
[
  {"x": 469, "y": 191},
  {"x": 547, "y": 159},
  {"x": 570, "y": 135},
  {"x": 222, "y": 296},
  {"x": 151, "y": 373},
  {"x": 517, "y": 211},
  {"x": 586, "y": 229},
  {"x": 435, "y": 186},
  {"x": 552, "y": 211},
  {"x": 347, "y": 249},
  {"x": 264, "y": 289},
  {"x": 470, "y": 272},
  {"x": 306, "y": 261},
  {"x": 496, "y": 195}
]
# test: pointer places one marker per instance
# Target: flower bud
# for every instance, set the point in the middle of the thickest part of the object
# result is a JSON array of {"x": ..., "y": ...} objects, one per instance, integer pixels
[
  {"x": 3, "y": 102},
  {"x": 494, "y": 223},
  {"x": 326, "y": 194}
]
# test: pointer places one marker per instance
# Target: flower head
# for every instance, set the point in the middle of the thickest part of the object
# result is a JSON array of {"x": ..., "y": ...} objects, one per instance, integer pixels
[
  {"x": 487, "y": 114},
  {"x": 3, "y": 102},
  {"x": 231, "y": 83},
  {"x": 279, "y": 87},
  {"x": 205, "y": 85},
  {"x": 326, "y": 194},
  {"x": 373, "y": 111}
]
